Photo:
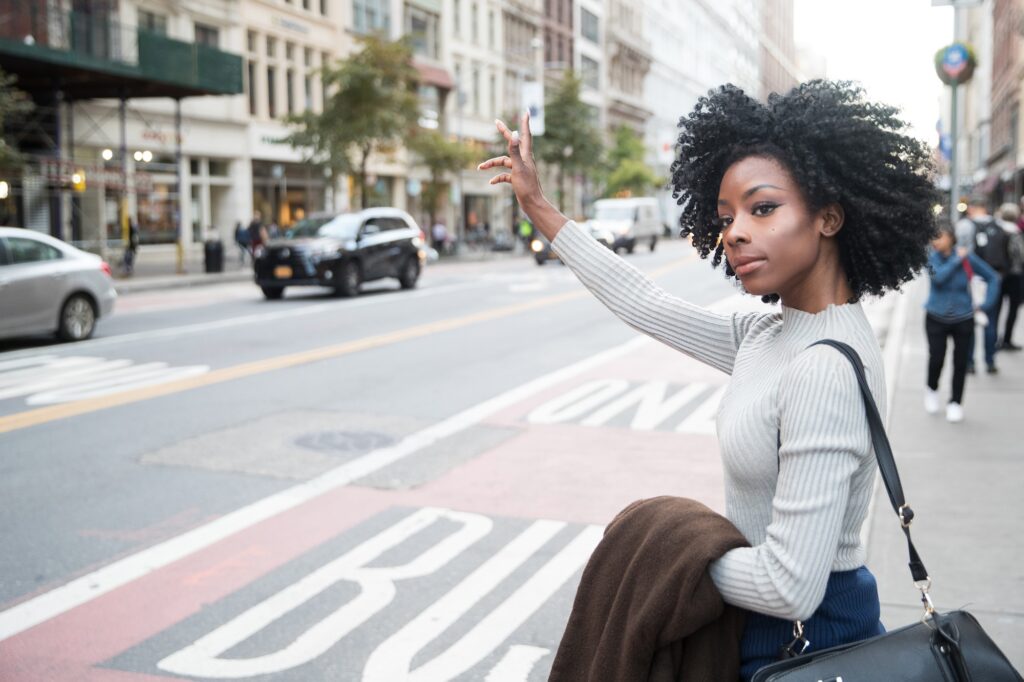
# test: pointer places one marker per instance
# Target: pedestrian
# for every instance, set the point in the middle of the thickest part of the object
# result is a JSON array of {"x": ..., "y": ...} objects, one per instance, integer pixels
[
  {"x": 1012, "y": 290},
  {"x": 439, "y": 235},
  {"x": 131, "y": 248},
  {"x": 257, "y": 233},
  {"x": 526, "y": 231},
  {"x": 241, "y": 241},
  {"x": 950, "y": 314},
  {"x": 979, "y": 232},
  {"x": 814, "y": 199}
]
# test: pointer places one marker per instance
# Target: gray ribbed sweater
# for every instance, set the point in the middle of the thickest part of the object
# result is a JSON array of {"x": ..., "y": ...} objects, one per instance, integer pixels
[{"x": 800, "y": 506}]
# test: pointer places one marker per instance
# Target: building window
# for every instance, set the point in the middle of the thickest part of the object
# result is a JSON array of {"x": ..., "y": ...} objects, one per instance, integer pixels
[
  {"x": 476, "y": 89},
  {"x": 289, "y": 83},
  {"x": 590, "y": 71},
  {"x": 251, "y": 73},
  {"x": 473, "y": 23},
  {"x": 589, "y": 25},
  {"x": 323, "y": 8},
  {"x": 153, "y": 22},
  {"x": 307, "y": 57},
  {"x": 493, "y": 92},
  {"x": 457, "y": 17},
  {"x": 369, "y": 16},
  {"x": 307, "y": 87},
  {"x": 251, "y": 41},
  {"x": 421, "y": 27},
  {"x": 490, "y": 28},
  {"x": 271, "y": 47},
  {"x": 207, "y": 35},
  {"x": 271, "y": 104},
  {"x": 289, "y": 51},
  {"x": 305, "y": 4}
]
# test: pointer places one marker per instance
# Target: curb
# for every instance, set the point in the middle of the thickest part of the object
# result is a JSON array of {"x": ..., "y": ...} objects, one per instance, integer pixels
[{"x": 127, "y": 287}]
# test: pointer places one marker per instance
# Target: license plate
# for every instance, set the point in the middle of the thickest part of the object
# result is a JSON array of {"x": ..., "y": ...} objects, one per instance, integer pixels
[{"x": 283, "y": 272}]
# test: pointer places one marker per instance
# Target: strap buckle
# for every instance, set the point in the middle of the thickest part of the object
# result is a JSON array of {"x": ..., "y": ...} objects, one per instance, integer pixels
[
  {"x": 929, "y": 608},
  {"x": 906, "y": 515}
]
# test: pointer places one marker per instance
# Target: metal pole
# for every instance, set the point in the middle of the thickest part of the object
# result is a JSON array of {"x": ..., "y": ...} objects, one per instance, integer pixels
[
  {"x": 76, "y": 201},
  {"x": 123, "y": 116},
  {"x": 57, "y": 201},
  {"x": 459, "y": 231},
  {"x": 179, "y": 235},
  {"x": 954, "y": 174}
]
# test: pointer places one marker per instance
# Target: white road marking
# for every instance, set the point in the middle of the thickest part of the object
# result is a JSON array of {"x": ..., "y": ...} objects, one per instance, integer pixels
[
  {"x": 52, "y": 379},
  {"x": 652, "y": 406},
  {"x": 377, "y": 590},
  {"x": 199, "y": 327},
  {"x": 392, "y": 660},
  {"x": 86, "y": 588},
  {"x": 577, "y": 401},
  {"x": 517, "y": 663}
]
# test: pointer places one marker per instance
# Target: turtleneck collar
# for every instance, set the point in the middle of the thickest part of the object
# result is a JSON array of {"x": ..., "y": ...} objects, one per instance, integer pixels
[{"x": 798, "y": 322}]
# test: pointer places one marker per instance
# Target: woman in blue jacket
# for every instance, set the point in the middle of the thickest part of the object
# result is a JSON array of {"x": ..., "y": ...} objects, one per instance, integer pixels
[{"x": 951, "y": 313}]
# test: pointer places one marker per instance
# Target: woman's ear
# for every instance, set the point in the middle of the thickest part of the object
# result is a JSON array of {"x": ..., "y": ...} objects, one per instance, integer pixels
[{"x": 831, "y": 217}]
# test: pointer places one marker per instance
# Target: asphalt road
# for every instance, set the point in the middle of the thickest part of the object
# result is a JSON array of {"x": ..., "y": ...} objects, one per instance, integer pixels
[{"x": 404, "y": 485}]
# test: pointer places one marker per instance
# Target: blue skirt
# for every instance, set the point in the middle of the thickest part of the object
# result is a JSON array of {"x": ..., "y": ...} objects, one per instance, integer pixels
[{"x": 848, "y": 613}]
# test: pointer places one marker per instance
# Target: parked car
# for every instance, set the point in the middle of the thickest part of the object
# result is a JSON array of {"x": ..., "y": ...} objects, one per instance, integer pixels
[
  {"x": 628, "y": 221},
  {"x": 344, "y": 252},
  {"x": 49, "y": 286}
]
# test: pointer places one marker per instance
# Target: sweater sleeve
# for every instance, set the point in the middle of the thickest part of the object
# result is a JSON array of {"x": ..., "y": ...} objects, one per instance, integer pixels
[
  {"x": 825, "y": 438},
  {"x": 992, "y": 280},
  {"x": 712, "y": 338},
  {"x": 943, "y": 270}
]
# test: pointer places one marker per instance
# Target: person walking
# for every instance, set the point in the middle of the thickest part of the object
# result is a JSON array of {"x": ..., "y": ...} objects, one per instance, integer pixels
[
  {"x": 131, "y": 249},
  {"x": 814, "y": 199},
  {"x": 257, "y": 233},
  {"x": 950, "y": 314},
  {"x": 439, "y": 235},
  {"x": 241, "y": 241},
  {"x": 1012, "y": 290},
  {"x": 980, "y": 234}
]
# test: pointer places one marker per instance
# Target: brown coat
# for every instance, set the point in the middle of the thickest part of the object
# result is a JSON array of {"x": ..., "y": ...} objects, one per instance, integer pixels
[{"x": 646, "y": 608}]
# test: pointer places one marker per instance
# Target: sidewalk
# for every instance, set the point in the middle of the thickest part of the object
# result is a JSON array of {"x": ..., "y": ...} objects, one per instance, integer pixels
[
  {"x": 156, "y": 267},
  {"x": 964, "y": 483}
]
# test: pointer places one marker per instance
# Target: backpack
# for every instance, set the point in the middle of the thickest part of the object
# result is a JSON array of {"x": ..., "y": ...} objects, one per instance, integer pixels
[{"x": 992, "y": 244}]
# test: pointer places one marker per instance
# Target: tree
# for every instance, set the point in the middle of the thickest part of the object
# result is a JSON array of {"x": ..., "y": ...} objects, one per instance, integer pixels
[
  {"x": 441, "y": 156},
  {"x": 372, "y": 106},
  {"x": 628, "y": 174},
  {"x": 570, "y": 141},
  {"x": 14, "y": 104}
]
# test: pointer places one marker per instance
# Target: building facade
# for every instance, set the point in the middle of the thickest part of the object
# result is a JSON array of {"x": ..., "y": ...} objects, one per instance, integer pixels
[{"x": 779, "y": 72}]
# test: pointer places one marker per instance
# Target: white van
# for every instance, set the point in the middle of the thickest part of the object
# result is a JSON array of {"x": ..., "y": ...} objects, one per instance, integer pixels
[{"x": 623, "y": 223}]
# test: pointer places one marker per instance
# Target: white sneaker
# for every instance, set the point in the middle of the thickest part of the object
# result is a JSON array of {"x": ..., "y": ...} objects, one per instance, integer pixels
[
  {"x": 954, "y": 413},
  {"x": 931, "y": 401}
]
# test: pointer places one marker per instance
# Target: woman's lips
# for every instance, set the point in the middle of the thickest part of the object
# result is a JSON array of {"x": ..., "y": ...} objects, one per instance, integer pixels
[{"x": 748, "y": 267}]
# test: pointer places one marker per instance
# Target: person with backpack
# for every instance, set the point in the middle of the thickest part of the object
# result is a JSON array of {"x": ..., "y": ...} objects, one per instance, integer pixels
[
  {"x": 1013, "y": 281},
  {"x": 982, "y": 235}
]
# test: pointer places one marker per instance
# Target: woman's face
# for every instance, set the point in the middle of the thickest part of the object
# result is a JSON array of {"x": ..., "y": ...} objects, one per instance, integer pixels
[
  {"x": 772, "y": 240},
  {"x": 943, "y": 243}
]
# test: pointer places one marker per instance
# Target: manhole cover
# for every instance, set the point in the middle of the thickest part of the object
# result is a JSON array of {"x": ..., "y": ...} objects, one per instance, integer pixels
[{"x": 344, "y": 441}]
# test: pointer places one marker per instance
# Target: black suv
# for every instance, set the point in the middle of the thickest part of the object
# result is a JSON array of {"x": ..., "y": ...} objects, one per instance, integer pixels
[{"x": 344, "y": 252}]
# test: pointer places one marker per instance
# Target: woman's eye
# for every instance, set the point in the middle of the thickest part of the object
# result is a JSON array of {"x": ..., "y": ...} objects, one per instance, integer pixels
[
  {"x": 724, "y": 221},
  {"x": 764, "y": 209}
]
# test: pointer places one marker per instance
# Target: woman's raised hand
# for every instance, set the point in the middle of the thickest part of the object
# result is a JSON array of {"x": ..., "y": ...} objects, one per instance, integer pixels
[{"x": 521, "y": 170}]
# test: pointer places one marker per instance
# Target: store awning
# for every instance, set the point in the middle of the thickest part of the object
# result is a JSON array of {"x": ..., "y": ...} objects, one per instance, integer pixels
[{"x": 434, "y": 75}]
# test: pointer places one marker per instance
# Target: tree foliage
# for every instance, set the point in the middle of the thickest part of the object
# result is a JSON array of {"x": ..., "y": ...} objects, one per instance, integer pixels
[
  {"x": 14, "y": 105},
  {"x": 372, "y": 106},
  {"x": 440, "y": 156},
  {"x": 628, "y": 173},
  {"x": 570, "y": 143}
]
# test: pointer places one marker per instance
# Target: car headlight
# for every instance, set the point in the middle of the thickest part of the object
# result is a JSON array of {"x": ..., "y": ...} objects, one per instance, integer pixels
[{"x": 536, "y": 246}]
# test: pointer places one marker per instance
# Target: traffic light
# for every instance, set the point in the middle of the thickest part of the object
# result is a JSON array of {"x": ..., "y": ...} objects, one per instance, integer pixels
[{"x": 78, "y": 180}]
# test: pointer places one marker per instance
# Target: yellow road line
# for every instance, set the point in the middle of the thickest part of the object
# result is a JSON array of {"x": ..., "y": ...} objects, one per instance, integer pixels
[{"x": 24, "y": 420}]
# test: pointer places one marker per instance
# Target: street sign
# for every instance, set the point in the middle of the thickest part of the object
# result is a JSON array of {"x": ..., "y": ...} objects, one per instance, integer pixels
[{"x": 954, "y": 64}]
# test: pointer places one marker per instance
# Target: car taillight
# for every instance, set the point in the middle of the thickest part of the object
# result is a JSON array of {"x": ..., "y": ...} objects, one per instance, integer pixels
[{"x": 105, "y": 267}]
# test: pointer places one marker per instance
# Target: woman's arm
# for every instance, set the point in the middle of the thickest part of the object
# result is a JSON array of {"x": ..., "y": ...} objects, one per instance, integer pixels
[
  {"x": 825, "y": 439},
  {"x": 710, "y": 337},
  {"x": 942, "y": 271},
  {"x": 992, "y": 280}
]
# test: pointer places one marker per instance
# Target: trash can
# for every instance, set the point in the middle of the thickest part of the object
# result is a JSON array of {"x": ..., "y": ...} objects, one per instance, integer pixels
[{"x": 213, "y": 255}]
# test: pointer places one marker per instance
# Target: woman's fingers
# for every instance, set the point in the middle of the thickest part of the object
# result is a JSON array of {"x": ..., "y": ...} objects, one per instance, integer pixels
[
  {"x": 503, "y": 129},
  {"x": 496, "y": 161},
  {"x": 502, "y": 177},
  {"x": 527, "y": 135}
]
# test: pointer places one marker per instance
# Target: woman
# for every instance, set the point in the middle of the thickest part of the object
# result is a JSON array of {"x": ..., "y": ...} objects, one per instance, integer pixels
[
  {"x": 815, "y": 200},
  {"x": 1013, "y": 281},
  {"x": 950, "y": 313}
]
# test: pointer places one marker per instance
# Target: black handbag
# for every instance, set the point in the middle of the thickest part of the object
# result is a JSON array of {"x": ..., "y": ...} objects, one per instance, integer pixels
[{"x": 942, "y": 647}]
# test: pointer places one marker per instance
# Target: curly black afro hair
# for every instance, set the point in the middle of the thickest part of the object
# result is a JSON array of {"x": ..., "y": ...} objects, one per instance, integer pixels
[{"x": 839, "y": 148}]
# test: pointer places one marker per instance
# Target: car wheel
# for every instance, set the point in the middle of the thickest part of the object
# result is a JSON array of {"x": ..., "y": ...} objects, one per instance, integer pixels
[
  {"x": 272, "y": 293},
  {"x": 541, "y": 260},
  {"x": 410, "y": 273},
  {"x": 77, "y": 318},
  {"x": 631, "y": 246},
  {"x": 654, "y": 242},
  {"x": 349, "y": 279}
]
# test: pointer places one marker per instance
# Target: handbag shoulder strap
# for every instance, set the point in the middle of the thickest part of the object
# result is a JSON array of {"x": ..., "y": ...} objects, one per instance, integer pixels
[{"x": 883, "y": 453}]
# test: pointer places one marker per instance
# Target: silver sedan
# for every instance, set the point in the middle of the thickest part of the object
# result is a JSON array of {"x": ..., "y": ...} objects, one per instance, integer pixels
[{"x": 47, "y": 285}]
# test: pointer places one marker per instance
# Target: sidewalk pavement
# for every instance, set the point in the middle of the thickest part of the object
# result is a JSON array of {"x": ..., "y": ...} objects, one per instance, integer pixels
[
  {"x": 963, "y": 482},
  {"x": 156, "y": 267}
]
